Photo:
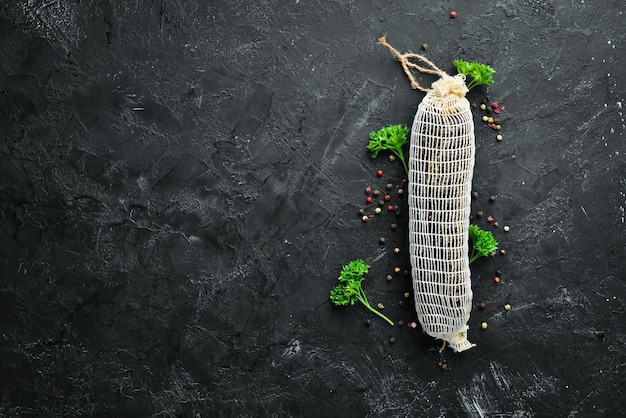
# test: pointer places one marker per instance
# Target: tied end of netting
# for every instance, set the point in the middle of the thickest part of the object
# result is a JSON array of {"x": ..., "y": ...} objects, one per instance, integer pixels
[{"x": 444, "y": 86}]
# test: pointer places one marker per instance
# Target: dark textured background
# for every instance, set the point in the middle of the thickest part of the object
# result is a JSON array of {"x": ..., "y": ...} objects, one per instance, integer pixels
[{"x": 179, "y": 187}]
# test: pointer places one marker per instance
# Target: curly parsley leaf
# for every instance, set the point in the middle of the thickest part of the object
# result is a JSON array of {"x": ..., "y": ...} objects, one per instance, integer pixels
[{"x": 390, "y": 138}]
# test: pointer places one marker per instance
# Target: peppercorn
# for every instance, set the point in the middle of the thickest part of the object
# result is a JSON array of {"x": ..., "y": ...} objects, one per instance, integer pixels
[
  {"x": 364, "y": 218},
  {"x": 473, "y": 105},
  {"x": 381, "y": 240},
  {"x": 392, "y": 340},
  {"x": 389, "y": 208},
  {"x": 407, "y": 295},
  {"x": 389, "y": 277},
  {"x": 387, "y": 198},
  {"x": 480, "y": 214},
  {"x": 393, "y": 226},
  {"x": 424, "y": 47},
  {"x": 484, "y": 325},
  {"x": 453, "y": 15},
  {"x": 368, "y": 199},
  {"x": 490, "y": 120},
  {"x": 482, "y": 305},
  {"x": 381, "y": 203},
  {"x": 376, "y": 193},
  {"x": 396, "y": 250},
  {"x": 485, "y": 118},
  {"x": 368, "y": 190},
  {"x": 361, "y": 212},
  {"x": 496, "y": 224},
  {"x": 389, "y": 186},
  {"x": 492, "y": 199},
  {"x": 474, "y": 195},
  {"x": 499, "y": 137},
  {"x": 377, "y": 210},
  {"x": 496, "y": 279},
  {"x": 392, "y": 157},
  {"x": 380, "y": 306},
  {"x": 397, "y": 270},
  {"x": 507, "y": 307},
  {"x": 413, "y": 324},
  {"x": 400, "y": 322},
  {"x": 379, "y": 173},
  {"x": 506, "y": 228},
  {"x": 483, "y": 107},
  {"x": 490, "y": 219},
  {"x": 502, "y": 252},
  {"x": 400, "y": 192}
]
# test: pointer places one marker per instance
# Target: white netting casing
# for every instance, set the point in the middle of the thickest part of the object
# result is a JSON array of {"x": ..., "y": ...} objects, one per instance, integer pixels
[{"x": 441, "y": 165}]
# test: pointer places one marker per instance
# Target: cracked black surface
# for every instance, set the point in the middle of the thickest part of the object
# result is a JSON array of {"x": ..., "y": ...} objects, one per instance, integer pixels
[{"x": 179, "y": 190}]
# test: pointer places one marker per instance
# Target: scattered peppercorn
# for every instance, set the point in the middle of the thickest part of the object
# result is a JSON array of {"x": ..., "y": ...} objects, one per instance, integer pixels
[
  {"x": 376, "y": 193},
  {"x": 368, "y": 190},
  {"x": 368, "y": 199},
  {"x": 480, "y": 214},
  {"x": 389, "y": 208},
  {"x": 506, "y": 228},
  {"x": 492, "y": 199},
  {"x": 499, "y": 137},
  {"x": 413, "y": 324},
  {"x": 379, "y": 173},
  {"x": 364, "y": 218},
  {"x": 396, "y": 250},
  {"x": 378, "y": 210},
  {"x": 407, "y": 295},
  {"x": 389, "y": 186},
  {"x": 400, "y": 322},
  {"x": 389, "y": 277},
  {"x": 507, "y": 307},
  {"x": 496, "y": 279},
  {"x": 485, "y": 118},
  {"x": 482, "y": 305},
  {"x": 502, "y": 252},
  {"x": 361, "y": 212},
  {"x": 392, "y": 157},
  {"x": 400, "y": 192},
  {"x": 484, "y": 325},
  {"x": 483, "y": 107},
  {"x": 397, "y": 269},
  {"x": 381, "y": 203},
  {"x": 392, "y": 340},
  {"x": 424, "y": 47},
  {"x": 490, "y": 219},
  {"x": 393, "y": 226},
  {"x": 381, "y": 240},
  {"x": 387, "y": 198},
  {"x": 380, "y": 306},
  {"x": 474, "y": 195},
  {"x": 453, "y": 15}
]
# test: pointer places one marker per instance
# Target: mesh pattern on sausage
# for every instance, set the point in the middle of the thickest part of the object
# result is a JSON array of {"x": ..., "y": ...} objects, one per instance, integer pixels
[{"x": 441, "y": 164}]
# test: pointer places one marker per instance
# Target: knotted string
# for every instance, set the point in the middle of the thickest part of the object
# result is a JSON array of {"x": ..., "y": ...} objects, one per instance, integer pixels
[{"x": 446, "y": 85}]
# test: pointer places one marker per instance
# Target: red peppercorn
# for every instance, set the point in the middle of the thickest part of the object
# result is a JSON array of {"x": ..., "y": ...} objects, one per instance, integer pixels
[
  {"x": 453, "y": 15},
  {"x": 368, "y": 199},
  {"x": 495, "y": 224},
  {"x": 496, "y": 279},
  {"x": 387, "y": 197},
  {"x": 390, "y": 208},
  {"x": 490, "y": 219},
  {"x": 379, "y": 173},
  {"x": 495, "y": 105},
  {"x": 368, "y": 190}
]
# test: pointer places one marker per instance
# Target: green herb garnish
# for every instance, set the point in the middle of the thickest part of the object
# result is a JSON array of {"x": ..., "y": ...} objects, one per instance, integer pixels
[
  {"x": 480, "y": 73},
  {"x": 390, "y": 138},
  {"x": 483, "y": 243},
  {"x": 349, "y": 289}
]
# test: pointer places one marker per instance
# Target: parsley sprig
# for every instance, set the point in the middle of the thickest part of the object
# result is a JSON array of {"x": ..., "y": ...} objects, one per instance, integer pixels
[
  {"x": 349, "y": 289},
  {"x": 483, "y": 243},
  {"x": 390, "y": 138},
  {"x": 480, "y": 73}
]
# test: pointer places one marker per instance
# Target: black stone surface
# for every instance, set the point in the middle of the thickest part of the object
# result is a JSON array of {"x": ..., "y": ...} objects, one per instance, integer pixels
[{"x": 179, "y": 190}]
